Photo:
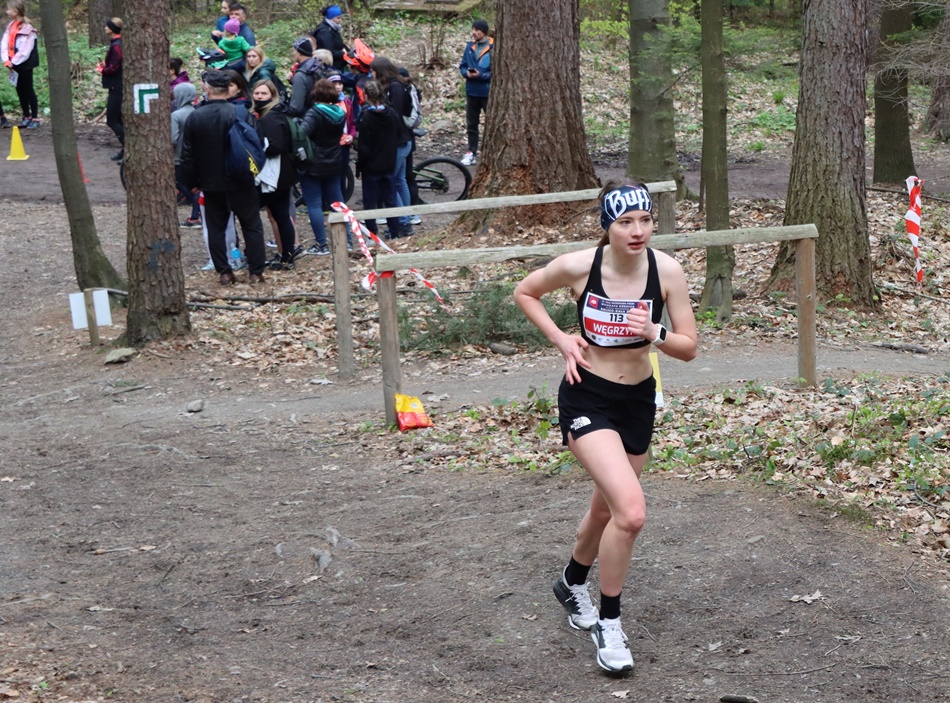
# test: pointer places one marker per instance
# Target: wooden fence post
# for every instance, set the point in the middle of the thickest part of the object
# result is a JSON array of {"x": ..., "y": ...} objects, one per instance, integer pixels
[
  {"x": 807, "y": 304},
  {"x": 666, "y": 213},
  {"x": 346, "y": 365},
  {"x": 91, "y": 320},
  {"x": 389, "y": 344}
]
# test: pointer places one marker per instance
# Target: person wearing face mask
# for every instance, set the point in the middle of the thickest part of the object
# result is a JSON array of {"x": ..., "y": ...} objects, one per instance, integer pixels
[
  {"x": 328, "y": 35},
  {"x": 272, "y": 126}
]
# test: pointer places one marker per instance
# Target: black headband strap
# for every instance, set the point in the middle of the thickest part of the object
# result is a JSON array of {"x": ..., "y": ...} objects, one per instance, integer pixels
[{"x": 114, "y": 27}]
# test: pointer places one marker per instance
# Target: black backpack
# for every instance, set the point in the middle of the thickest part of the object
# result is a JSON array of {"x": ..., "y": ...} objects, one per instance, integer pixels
[{"x": 244, "y": 153}]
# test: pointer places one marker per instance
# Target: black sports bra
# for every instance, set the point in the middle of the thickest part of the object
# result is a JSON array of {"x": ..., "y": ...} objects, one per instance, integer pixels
[{"x": 604, "y": 321}]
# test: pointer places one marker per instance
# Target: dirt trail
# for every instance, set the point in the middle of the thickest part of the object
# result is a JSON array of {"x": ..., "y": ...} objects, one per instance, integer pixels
[{"x": 266, "y": 549}]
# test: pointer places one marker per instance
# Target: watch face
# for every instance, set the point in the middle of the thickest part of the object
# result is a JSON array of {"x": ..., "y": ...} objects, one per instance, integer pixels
[{"x": 662, "y": 333}]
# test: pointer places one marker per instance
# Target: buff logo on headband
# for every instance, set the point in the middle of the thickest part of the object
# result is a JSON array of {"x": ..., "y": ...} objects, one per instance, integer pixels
[{"x": 621, "y": 200}]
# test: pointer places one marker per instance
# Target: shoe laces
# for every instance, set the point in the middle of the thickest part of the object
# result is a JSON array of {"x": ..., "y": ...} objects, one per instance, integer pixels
[
  {"x": 614, "y": 637},
  {"x": 581, "y": 597}
]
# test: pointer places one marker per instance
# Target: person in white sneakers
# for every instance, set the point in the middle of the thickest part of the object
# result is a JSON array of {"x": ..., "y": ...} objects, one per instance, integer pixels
[
  {"x": 607, "y": 397},
  {"x": 476, "y": 70}
]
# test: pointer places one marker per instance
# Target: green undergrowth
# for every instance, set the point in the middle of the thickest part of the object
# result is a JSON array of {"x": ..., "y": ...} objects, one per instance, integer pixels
[
  {"x": 872, "y": 440},
  {"x": 487, "y": 315}
]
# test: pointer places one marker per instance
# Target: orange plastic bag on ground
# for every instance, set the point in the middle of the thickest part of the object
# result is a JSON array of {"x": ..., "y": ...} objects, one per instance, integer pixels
[{"x": 410, "y": 414}]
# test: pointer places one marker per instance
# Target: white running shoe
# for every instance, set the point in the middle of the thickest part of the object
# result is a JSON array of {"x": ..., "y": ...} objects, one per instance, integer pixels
[
  {"x": 612, "y": 652},
  {"x": 468, "y": 159},
  {"x": 581, "y": 613},
  {"x": 208, "y": 266},
  {"x": 415, "y": 220}
]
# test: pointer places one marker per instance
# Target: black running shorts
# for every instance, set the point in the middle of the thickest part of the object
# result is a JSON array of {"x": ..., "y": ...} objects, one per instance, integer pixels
[{"x": 598, "y": 404}]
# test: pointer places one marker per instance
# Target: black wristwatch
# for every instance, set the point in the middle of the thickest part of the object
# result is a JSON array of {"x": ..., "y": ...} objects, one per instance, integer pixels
[{"x": 660, "y": 336}]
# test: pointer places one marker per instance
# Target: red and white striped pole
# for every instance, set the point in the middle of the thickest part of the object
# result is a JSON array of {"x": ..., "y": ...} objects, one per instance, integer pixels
[{"x": 912, "y": 219}]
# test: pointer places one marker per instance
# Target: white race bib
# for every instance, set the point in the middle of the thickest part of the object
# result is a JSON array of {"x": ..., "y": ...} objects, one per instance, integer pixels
[{"x": 605, "y": 320}]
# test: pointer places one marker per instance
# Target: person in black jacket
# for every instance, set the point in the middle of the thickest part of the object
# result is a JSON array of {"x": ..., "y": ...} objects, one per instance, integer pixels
[
  {"x": 328, "y": 35},
  {"x": 387, "y": 73},
  {"x": 202, "y": 164},
  {"x": 320, "y": 182},
  {"x": 376, "y": 155},
  {"x": 275, "y": 196},
  {"x": 111, "y": 71}
]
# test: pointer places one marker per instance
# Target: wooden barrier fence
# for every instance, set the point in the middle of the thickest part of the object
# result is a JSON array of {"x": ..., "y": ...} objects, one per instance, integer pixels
[
  {"x": 664, "y": 193},
  {"x": 803, "y": 235}
]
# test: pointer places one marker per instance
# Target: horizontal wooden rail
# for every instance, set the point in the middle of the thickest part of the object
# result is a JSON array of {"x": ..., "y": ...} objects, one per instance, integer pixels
[
  {"x": 494, "y": 203},
  {"x": 491, "y": 255}
]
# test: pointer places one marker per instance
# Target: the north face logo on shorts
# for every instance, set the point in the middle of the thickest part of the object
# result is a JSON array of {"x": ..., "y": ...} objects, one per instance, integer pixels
[{"x": 579, "y": 423}]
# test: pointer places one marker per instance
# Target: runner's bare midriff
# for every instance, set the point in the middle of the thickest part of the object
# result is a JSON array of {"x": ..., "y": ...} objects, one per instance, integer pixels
[{"x": 627, "y": 366}]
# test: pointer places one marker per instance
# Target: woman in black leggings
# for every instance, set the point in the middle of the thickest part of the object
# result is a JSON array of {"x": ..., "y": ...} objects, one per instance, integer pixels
[
  {"x": 111, "y": 71},
  {"x": 20, "y": 54}
]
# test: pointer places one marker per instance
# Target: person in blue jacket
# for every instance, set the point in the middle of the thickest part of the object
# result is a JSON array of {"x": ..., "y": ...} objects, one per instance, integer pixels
[{"x": 476, "y": 70}]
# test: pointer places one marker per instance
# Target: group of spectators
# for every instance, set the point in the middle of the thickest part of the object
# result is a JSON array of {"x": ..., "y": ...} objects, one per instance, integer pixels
[{"x": 332, "y": 94}]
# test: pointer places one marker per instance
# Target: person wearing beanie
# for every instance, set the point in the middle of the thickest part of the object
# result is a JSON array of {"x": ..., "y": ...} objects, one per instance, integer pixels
[
  {"x": 306, "y": 72},
  {"x": 476, "y": 70},
  {"x": 607, "y": 398},
  {"x": 234, "y": 46},
  {"x": 327, "y": 35}
]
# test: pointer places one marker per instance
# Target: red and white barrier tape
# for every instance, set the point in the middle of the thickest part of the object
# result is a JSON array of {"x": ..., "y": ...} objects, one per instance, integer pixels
[
  {"x": 370, "y": 279},
  {"x": 912, "y": 219}
]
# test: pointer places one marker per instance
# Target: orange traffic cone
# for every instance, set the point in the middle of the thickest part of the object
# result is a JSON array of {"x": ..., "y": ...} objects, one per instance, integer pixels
[
  {"x": 17, "y": 153},
  {"x": 81, "y": 172}
]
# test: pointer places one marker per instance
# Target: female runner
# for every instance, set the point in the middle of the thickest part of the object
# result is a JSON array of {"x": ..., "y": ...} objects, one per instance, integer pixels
[{"x": 607, "y": 397}]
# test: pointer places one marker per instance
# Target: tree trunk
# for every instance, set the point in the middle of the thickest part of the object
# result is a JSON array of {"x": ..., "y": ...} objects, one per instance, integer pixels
[
  {"x": 157, "y": 308},
  {"x": 938, "y": 114},
  {"x": 720, "y": 261},
  {"x": 652, "y": 151},
  {"x": 893, "y": 155},
  {"x": 99, "y": 11},
  {"x": 534, "y": 130},
  {"x": 93, "y": 269},
  {"x": 827, "y": 180}
]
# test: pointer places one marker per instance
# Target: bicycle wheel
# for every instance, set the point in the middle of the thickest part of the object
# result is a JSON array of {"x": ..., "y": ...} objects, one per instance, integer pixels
[
  {"x": 442, "y": 180},
  {"x": 349, "y": 182}
]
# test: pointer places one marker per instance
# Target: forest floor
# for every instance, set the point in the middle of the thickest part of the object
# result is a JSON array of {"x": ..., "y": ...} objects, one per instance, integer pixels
[{"x": 281, "y": 545}]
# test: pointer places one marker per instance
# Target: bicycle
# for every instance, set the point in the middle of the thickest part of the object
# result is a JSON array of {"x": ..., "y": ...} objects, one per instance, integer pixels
[{"x": 442, "y": 178}]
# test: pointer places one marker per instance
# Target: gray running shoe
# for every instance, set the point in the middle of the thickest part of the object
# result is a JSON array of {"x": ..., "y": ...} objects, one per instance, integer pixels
[
  {"x": 581, "y": 613},
  {"x": 612, "y": 652}
]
